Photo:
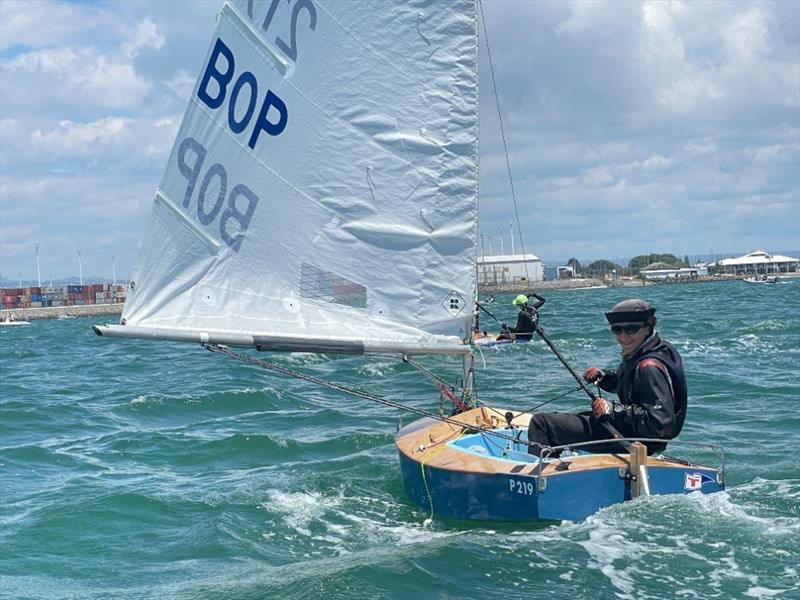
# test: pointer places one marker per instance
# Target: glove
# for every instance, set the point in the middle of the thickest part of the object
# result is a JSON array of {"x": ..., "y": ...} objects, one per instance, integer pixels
[
  {"x": 601, "y": 408},
  {"x": 593, "y": 374}
]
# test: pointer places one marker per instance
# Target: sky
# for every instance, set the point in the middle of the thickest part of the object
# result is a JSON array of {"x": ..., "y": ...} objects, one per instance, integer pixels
[{"x": 631, "y": 127}]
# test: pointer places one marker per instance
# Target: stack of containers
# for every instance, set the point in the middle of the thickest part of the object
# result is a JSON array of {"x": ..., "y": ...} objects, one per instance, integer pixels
[{"x": 68, "y": 295}]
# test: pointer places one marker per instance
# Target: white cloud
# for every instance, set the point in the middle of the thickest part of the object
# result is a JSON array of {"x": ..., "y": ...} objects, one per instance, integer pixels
[
  {"x": 689, "y": 93},
  {"x": 662, "y": 41},
  {"x": 44, "y": 24},
  {"x": 72, "y": 79},
  {"x": 767, "y": 154},
  {"x": 745, "y": 35},
  {"x": 700, "y": 148},
  {"x": 182, "y": 84},
  {"x": 657, "y": 163},
  {"x": 145, "y": 35},
  {"x": 81, "y": 138},
  {"x": 116, "y": 144},
  {"x": 597, "y": 177}
]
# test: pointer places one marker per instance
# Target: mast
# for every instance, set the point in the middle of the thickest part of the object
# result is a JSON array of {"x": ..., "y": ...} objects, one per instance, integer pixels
[{"x": 38, "y": 274}]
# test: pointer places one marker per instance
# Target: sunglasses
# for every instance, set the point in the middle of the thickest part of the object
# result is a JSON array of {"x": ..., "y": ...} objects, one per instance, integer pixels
[{"x": 629, "y": 329}]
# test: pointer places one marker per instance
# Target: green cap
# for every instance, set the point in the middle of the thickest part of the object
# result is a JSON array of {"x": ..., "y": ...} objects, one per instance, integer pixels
[{"x": 521, "y": 299}]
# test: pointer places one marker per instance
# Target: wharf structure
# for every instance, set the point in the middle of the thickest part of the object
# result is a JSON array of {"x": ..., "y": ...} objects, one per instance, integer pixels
[{"x": 504, "y": 270}]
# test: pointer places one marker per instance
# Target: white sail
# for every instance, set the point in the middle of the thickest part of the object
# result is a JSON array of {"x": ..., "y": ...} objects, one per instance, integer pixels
[{"x": 321, "y": 194}]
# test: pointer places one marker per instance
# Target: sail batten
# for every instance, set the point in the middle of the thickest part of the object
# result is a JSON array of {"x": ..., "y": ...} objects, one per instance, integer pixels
[
  {"x": 322, "y": 189},
  {"x": 162, "y": 200}
]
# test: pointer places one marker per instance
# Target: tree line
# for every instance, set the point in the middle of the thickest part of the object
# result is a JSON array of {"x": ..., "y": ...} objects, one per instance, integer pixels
[{"x": 601, "y": 267}]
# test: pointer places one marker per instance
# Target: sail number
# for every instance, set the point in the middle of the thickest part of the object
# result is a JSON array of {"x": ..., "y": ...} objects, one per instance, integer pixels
[
  {"x": 522, "y": 487},
  {"x": 290, "y": 49}
]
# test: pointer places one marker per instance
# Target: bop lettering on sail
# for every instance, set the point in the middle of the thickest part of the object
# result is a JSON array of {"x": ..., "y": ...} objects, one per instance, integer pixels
[
  {"x": 238, "y": 94},
  {"x": 221, "y": 68}
]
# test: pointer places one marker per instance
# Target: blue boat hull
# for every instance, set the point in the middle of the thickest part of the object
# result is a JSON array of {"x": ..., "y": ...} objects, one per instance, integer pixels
[{"x": 475, "y": 486}]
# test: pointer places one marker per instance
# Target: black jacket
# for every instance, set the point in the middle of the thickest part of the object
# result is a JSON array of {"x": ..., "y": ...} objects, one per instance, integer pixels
[
  {"x": 525, "y": 325},
  {"x": 651, "y": 387}
]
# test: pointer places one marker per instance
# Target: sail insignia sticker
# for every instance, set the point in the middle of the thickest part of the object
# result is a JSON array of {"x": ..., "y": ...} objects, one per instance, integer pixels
[{"x": 454, "y": 303}]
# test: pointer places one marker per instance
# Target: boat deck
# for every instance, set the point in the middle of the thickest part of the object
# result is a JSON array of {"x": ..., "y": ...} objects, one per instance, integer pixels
[{"x": 448, "y": 446}]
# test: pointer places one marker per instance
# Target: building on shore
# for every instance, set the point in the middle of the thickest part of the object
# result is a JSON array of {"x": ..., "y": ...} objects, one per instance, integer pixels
[
  {"x": 566, "y": 272},
  {"x": 660, "y": 270},
  {"x": 508, "y": 269},
  {"x": 754, "y": 263}
]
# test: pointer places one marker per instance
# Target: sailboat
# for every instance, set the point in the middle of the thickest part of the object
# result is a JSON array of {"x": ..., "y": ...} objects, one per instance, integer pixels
[{"x": 321, "y": 196}]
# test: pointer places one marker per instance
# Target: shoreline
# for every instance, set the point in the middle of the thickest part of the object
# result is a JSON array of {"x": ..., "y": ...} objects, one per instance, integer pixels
[
  {"x": 54, "y": 312},
  {"x": 594, "y": 283}
]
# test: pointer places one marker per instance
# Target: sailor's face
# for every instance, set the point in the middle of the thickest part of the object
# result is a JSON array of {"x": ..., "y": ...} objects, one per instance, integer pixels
[{"x": 629, "y": 342}]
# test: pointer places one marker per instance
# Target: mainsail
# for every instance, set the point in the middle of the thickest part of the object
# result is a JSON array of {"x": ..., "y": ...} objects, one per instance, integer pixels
[{"x": 321, "y": 194}]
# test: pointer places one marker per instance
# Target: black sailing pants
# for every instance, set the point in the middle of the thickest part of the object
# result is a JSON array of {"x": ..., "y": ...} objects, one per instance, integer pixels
[{"x": 560, "y": 429}]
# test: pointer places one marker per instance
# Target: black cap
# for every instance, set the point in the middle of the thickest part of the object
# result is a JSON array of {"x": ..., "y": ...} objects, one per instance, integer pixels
[{"x": 631, "y": 311}]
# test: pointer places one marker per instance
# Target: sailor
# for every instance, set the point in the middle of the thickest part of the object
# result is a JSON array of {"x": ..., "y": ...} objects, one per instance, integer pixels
[
  {"x": 649, "y": 383},
  {"x": 526, "y": 319}
]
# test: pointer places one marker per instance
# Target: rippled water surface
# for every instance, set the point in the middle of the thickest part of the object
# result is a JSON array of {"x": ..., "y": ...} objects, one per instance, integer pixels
[{"x": 152, "y": 470}]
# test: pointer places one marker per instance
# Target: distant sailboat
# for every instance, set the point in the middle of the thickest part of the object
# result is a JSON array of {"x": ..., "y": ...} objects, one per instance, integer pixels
[{"x": 321, "y": 196}]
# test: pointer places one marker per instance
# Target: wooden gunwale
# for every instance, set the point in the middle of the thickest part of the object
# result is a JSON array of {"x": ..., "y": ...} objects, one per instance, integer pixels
[{"x": 429, "y": 445}]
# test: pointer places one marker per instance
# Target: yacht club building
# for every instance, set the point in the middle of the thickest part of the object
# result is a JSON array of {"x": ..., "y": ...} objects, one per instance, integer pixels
[{"x": 755, "y": 263}]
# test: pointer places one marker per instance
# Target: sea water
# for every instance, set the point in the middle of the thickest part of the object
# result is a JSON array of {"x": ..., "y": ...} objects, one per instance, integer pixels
[{"x": 133, "y": 469}]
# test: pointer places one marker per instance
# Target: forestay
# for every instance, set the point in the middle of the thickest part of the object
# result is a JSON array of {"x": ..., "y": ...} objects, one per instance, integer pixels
[{"x": 321, "y": 194}]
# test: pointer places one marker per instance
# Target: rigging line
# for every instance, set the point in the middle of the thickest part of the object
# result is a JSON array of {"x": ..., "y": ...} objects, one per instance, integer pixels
[
  {"x": 423, "y": 464},
  {"x": 444, "y": 386},
  {"x": 503, "y": 135},
  {"x": 481, "y": 307},
  {"x": 434, "y": 377},
  {"x": 355, "y": 392},
  {"x": 572, "y": 391}
]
